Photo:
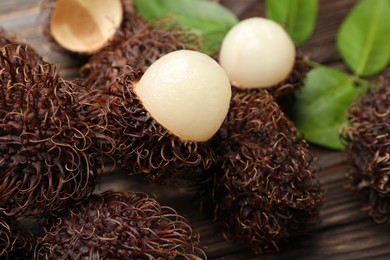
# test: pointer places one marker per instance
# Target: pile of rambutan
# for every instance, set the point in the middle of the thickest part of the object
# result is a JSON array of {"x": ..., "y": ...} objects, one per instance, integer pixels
[{"x": 147, "y": 104}]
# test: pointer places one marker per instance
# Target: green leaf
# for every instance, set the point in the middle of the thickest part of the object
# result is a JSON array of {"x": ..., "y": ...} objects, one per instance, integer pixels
[
  {"x": 207, "y": 19},
  {"x": 321, "y": 106},
  {"x": 364, "y": 37},
  {"x": 298, "y": 17}
]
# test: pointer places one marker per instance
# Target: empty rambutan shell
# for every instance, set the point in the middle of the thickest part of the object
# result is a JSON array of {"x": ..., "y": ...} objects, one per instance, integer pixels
[
  {"x": 367, "y": 137},
  {"x": 115, "y": 225},
  {"x": 15, "y": 241},
  {"x": 44, "y": 139},
  {"x": 264, "y": 190},
  {"x": 85, "y": 26}
]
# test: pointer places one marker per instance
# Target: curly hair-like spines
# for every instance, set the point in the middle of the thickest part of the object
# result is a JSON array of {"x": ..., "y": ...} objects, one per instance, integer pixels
[
  {"x": 46, "y": 146},
  {"x": 118, "y": 225},
  {"x": 367, "y": 138},
  {"x": 265, "y": 189},
  {"x": 15, "y": 241}
]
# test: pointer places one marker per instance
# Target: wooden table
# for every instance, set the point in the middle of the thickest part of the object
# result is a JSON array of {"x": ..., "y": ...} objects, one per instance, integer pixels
[{"x": 346, "y": 232}]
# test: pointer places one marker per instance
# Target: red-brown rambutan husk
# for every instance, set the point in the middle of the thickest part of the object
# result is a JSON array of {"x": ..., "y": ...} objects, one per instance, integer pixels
[
  {"x": 264, "y": 189},
  {"x": 367, "y": 137},
  {"x": 15, "y": 241},
  {"x": 115, "y": 225},
  {"x": 142, "y": 144},
  {"x": 44, "y": 138},
  {"x": 136, "y": 44}
]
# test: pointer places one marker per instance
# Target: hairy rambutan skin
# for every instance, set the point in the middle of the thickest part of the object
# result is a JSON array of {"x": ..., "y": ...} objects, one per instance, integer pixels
[
  {"x": 265, "y": 189},
  {"x": 367, "y": 138},
  {"x": 44, "y": 139},
  {"x": 15, "y": 241},
  {"x": 137, "y": 44},
  {"x": 115, "y": 225},
  {"x": 142, "y": 144}
]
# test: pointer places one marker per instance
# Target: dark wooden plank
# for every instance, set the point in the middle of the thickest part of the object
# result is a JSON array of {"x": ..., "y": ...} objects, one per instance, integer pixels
[{"x": 345, "y": 232}]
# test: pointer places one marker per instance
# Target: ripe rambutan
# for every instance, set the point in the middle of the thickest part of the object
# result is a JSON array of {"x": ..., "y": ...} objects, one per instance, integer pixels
[
  {"x": 265, "y": 189},
  {"x": 161, "y": 137},
  {"x": 367, "y": 137},
  {"x": 115, "y": 225},
  {"x": 44, "y": 139}
]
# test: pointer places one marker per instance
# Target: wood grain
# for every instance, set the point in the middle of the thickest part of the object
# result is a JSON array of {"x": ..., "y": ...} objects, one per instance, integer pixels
[{"x": 346, "y": 232}]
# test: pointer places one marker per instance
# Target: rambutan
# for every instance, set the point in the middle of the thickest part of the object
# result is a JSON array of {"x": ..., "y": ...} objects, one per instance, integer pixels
[
  {"x": 43, "y": 136},
  {"x": 265, "y": 189},
  {"x": 115, "y": 225},
  {"x": 367, "y": 137}
]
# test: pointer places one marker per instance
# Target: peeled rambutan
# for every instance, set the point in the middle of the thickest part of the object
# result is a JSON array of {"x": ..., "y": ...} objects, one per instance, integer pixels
[
  {"x": 15, "y": 241},
  {"x": 258, "y": 53},
  {"x": 44, "y": 138},
  {"x": 155, "y": 121},
  {"x": 265, "y": 189},
  {"x": 367, "y": 137},
  {"x": 115, "y": 225}
]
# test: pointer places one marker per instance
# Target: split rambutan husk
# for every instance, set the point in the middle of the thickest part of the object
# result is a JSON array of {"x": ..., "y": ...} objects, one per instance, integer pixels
[
  {"x": 44, "y": 138},
  {"x": 367, "y": 137},
  {"x": 265, "y": 189},
  {"x": 142, "y": 144},
  {"x": 15, "y": 241},
  {"x": 115, "y": 225},
  {"x": 137, "y": 44}
]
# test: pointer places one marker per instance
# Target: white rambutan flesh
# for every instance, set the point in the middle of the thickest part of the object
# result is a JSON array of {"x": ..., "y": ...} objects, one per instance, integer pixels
[
  {"x": 187, "y": 92},
  {"x": 256, "y": 53}
]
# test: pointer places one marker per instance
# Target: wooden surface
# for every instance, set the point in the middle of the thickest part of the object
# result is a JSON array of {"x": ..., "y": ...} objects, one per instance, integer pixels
[{"x": 346, "y": 231}]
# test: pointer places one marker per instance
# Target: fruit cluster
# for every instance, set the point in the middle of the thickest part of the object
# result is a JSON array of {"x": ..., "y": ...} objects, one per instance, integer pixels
[{"x": 153, "y": 107}]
